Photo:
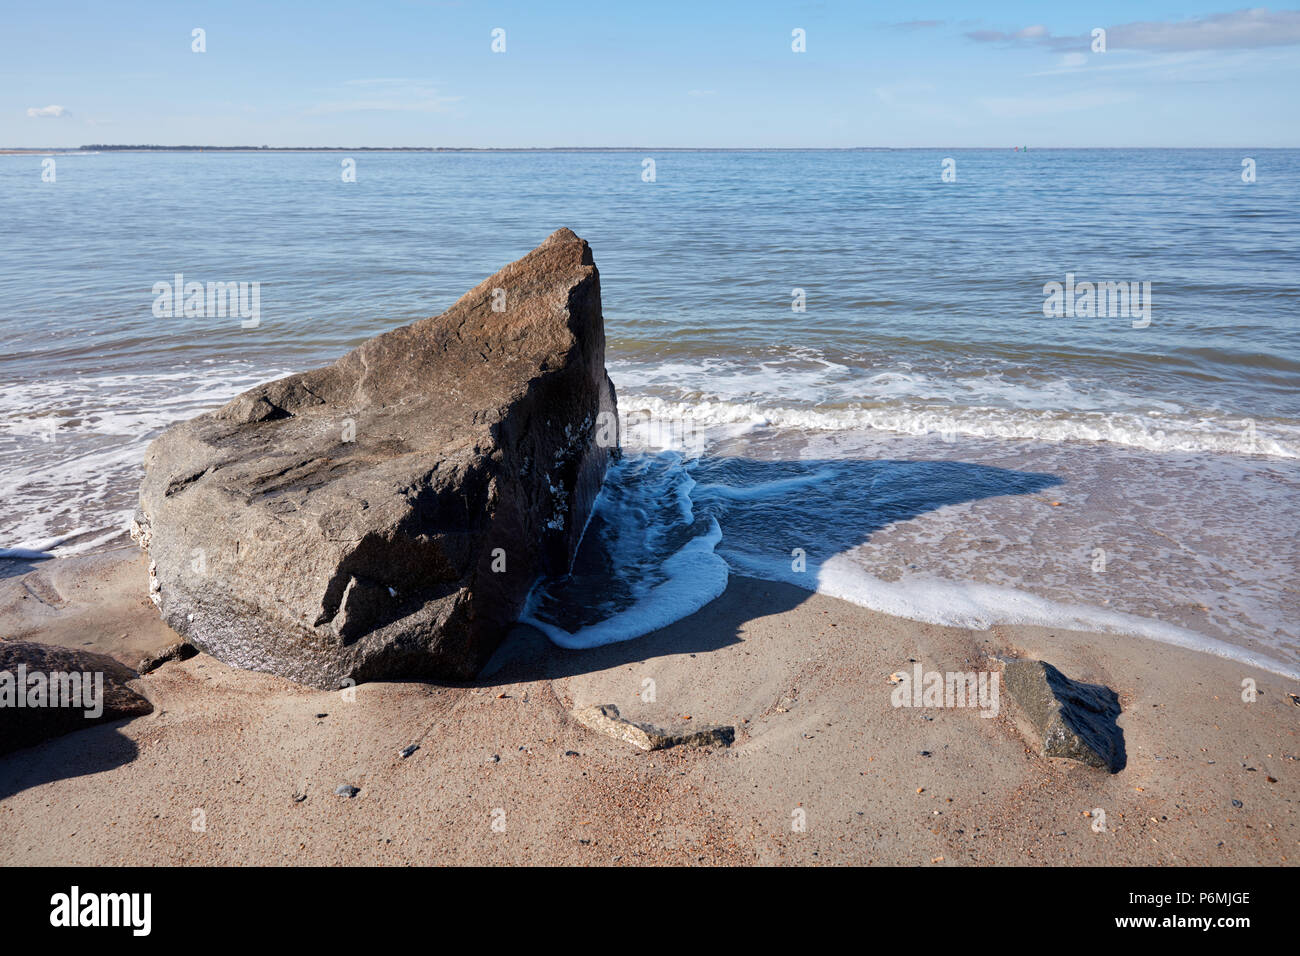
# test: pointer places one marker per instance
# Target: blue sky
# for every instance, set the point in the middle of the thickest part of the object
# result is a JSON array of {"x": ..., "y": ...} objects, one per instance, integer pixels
[{"x": 656, "y": 74}]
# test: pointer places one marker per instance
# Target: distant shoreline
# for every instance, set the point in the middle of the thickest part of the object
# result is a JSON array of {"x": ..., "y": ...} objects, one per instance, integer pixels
[{"x": 102, "y": 148}]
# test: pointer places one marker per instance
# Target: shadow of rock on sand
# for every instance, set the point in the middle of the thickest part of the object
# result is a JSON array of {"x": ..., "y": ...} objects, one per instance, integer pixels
[
  {"x": 12, "y": 566},
  {"x": 527, "y": 654},
  {"x": 764, "y": 510},
  {"x": 88, "y": 751}
]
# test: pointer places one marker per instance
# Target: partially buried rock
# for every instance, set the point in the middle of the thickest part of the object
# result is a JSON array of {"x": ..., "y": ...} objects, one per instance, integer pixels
[
  {"x": 179, "y": 651},
  {"x": 47, "y": 691},
  {"x": 1072, "y": 719},
  {"x": 385, "y": 516},
  {"x": 606, "y": 719}
]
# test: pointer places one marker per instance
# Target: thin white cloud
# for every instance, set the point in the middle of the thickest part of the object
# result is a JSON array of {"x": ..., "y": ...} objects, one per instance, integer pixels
[
  {"x": 389, "y": 96},
  {"x": 1188, "y": 65},
  {"x": 911, "y": 93},
  {"x": 1017, "y": 107},
  {"x": 383, "y": 106},
  {"x": 1239, "y": 29},
  {"x": 52, "y": 112},
  {"x": 379, "y": 81}
]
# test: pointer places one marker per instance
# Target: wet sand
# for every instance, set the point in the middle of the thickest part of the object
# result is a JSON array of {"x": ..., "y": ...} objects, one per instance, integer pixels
[{"x": 236, "y": 767}]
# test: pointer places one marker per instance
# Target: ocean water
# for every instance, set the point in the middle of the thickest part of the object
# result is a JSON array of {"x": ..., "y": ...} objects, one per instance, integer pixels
[{"x": 918, "y": 436}]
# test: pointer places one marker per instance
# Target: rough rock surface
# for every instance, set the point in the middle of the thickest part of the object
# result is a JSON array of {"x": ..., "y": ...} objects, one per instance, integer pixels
[
  {"x": 385, "y": 516},
  {"x": 606, "y": 719},
  {"x": 1072, "y": 719},
  {"x": 26, "y": 726}
]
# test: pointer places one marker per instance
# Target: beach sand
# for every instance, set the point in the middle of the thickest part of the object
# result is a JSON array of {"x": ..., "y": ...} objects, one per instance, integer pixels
[{"x": 236, "y": 767}]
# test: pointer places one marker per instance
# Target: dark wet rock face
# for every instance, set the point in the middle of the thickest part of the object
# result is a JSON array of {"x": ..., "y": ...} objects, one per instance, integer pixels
[
  {"x": 385, "y": 516},
  {"x": 1071, "y": 719},
  {"x": 53, "y": 702}
]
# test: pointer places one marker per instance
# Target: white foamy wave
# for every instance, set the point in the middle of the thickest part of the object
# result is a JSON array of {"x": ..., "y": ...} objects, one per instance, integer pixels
[
  {"x": 1151, "y": 432},
  {"x": 693, "y": 576},
  {"x": 669, "y": 528},
  {"x": 980, "y": 606},
  {"x": 648, "y": 560},
  {"x": 72, "y": 450}
]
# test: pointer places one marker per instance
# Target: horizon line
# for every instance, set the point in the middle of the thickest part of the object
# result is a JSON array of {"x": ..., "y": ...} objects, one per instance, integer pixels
[{"x": 145, "y": 148}]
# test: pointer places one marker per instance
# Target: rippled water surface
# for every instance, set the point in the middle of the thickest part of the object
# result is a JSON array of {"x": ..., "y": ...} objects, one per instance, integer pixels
[{"x": 923, "y": 340}]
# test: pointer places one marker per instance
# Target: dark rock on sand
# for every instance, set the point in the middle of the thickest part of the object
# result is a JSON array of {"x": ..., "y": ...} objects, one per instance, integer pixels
[
  {"x": 180, "y": 651},
  {"x": 606, "y": 719},
  {"x": 25, "y": 726},
  {"x": 385, "y": 516},
  {"x": 1072, "y": 719}
]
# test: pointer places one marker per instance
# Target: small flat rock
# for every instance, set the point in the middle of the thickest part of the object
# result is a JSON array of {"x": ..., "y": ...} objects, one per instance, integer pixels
[
  {"x": 407, "y": 751},
  {"x": 606, "y": 719},
  {"x": 1070, "y": 719},
  {"x": 25, "y": 726},
  {"x": 346, "y": 790}
]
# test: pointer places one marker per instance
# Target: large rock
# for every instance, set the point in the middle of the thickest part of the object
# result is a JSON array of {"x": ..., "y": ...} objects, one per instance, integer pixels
[
  {"x": 386, "y": 516},
  {"x": 1070, "y": 719},
  {"x": 61, "y": 690}
]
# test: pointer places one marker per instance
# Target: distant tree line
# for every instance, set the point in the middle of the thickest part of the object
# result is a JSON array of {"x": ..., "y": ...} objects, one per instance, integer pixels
[{"x": 101, "y": 147}]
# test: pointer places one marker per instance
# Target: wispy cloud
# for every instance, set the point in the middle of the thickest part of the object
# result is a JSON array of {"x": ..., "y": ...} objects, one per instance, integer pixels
[
  {"x": 49, "y": 112},
  {"x": 1169, "y": 64},
  {"x": 897, "y": 93},
  {"x": 1037, "y": 34},
  {"x": 1240, "y": 29},
  {"x": 916, "y": 24},
  {"x": 381, "y": 81},
  {"x": 1018, "y": 107},
  {"x": 388, "y": 95}
]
